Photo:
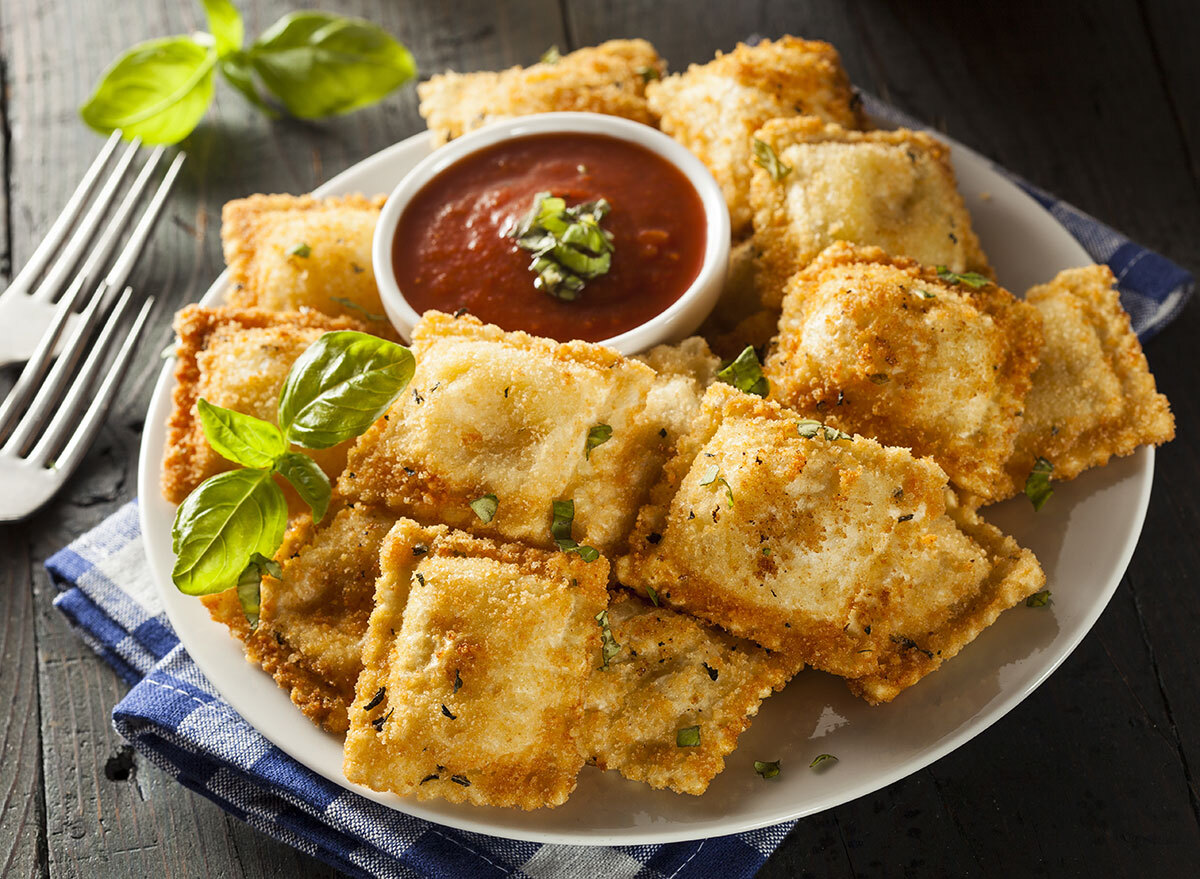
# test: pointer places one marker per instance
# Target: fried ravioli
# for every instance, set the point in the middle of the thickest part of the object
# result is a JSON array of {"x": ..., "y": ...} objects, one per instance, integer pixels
[
  {"x": 835, "y": 550},
  {"x": 312, "y": 622},
  {"x": 889, "y": 189},
  {"x": 291, "y": 252},
  {"x": 1093, "y": 396},
  {"x": 713, "y": 109},
  {"x": 237, "y": 358},
  {"x": 508, "y": 414},
  {"x": 673, "y": 672},
  {"x": 475, "y": 665},
  {"x": 885, "y": 347},
  {"x": 609, "y": 78}
]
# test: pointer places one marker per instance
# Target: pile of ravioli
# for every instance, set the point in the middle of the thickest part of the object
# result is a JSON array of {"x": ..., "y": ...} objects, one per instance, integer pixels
[{"x": 832, "y": 525}]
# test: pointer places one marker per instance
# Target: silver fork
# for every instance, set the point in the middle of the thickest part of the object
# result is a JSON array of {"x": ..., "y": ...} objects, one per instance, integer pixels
[
  {"x": 29, "y": 307},
  {"x": 44, "y": 442}
]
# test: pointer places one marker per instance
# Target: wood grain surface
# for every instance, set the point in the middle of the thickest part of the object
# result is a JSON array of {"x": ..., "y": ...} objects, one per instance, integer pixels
[{"x": 1094, "y": 774}]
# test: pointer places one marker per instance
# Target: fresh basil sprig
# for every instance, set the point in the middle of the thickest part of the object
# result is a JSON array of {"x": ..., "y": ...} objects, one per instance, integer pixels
[
  {"x": 745, "y": 373},
  {"x": 313, "y": 64},
  {"x": 231, "y": 523},
  {"x": 568, "y": 244}
]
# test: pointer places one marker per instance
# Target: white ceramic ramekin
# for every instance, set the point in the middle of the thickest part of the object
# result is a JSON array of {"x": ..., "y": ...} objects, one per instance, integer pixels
[{"x": 681, "y": 318}]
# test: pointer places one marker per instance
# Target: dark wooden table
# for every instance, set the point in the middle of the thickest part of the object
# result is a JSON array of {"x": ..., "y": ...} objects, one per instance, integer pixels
[{"x": 1092, "y": 775}]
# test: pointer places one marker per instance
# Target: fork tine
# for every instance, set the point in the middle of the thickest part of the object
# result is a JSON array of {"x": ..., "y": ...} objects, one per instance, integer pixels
[
  {"x": 66, "y": 420},
  {"x": 116, "y": 226},
  {"x": 52, "y": 387},
  {"x": 119, "y": 273},
  {"x": 49, "y": 246},
  {"x": 39, "y": 361},
  {"x": 85, "y": 230}
]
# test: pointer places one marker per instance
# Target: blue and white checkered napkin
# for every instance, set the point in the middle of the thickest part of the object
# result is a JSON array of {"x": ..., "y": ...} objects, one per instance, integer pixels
[{"x": 176, "y": 719}]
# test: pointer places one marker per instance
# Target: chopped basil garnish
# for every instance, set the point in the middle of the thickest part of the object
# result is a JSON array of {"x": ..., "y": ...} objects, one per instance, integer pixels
[
  {"x": 653, "y": 595},
  {"x": 821, "y": 758},
  {"x": 608, "y": 646},
  {"x": 551, "y": 56},
  {"x": 1037, "y": 484},
  {"x": 648, "y": 73},
  {"x": 446, "y": 711},
  {"x": 460, "y": 779},
  {"x": 925, "y": 294},
  {"x": 766, "y": 769},
  {"x": 766, "y": 157},
  {"x": 378, "y": 722},
  {"x": 560, "y": 530},
  {"x": 569, "y": 246},
  {"x": 1038, "y": 599},
  {"x": 879, "y": 378},
  {"x": 457, "y": 681},
  {"x": 744, "y": 372},
  {"x": 713, "y": 674},
  {"x": 376, "y": 699},
  {"x": 971, "y": 279},
  {"x": 810, "y": 429},
  {"x": 597, "y": 436},
  {"x": 710, "y": 475},
  {"x": 485, "y": 507},
  {"x": 354, "y": 306},
  {"x": 687, "y": 737},
  {"x": 301, "y": 250}
]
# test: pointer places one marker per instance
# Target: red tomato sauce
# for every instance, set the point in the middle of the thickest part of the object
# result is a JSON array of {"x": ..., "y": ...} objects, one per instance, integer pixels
[{"x": 451, "y": 249}]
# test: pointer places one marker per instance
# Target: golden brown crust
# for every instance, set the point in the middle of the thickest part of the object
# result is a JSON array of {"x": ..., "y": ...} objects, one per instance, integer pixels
[
  {"x": 713, "y": 109},
  {"x": 336, "y": 278},
  {"x": 889, "y": 189},
  {"x": 882, "y": 346},
  {"x": 236, "y": 358},
  {"x": 311, "y": 624},
  {"x": 474, "y": 667},
  {"x": 609, "y": 78},
  {"x": 672, "y": 672},
  {"x": 831, "y": 550},
  {"x": 490, "y": 412},
  {"x": 1093, "y": 396}
]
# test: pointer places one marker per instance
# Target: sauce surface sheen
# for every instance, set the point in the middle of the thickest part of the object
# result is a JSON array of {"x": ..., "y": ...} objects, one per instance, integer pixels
[{"x": 451, "y": 249}]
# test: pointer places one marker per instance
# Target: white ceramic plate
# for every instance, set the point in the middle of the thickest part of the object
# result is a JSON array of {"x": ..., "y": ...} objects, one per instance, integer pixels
[{"x": 1084, "y": 538}]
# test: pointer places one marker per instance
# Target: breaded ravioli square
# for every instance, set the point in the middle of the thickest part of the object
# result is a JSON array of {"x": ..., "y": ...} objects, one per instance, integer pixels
[
  {"x": 288, "y": 252},
  {"x": 889, "y": 189},
  {"x": 474, "y": 669},
  {"x": 609, "y": 78},
  {"x": 237, "y": 358},
  {"x": 312, "y": 622},
  {"x": 888, "y": 348},
  {"x": 509, "y": 415},
  {"x": 673, "y": 672},
  {"x": 714, "y": 109},
  {"x": 1093, "y": 396},
  {"x": 833, "y": 549}
]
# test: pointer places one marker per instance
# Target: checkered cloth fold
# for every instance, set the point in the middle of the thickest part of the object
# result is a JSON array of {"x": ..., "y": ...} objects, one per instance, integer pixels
[{"x": 175, "y": 718}]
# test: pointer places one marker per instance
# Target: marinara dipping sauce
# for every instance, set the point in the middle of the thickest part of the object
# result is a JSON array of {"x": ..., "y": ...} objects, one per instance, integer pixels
[{"x": 454, "y": 247}]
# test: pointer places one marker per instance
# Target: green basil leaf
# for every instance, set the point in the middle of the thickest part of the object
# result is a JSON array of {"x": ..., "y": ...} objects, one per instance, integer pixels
[
  {"x": 249, "y": 585},
  {"x": 158, "y": 90},
  {"x": 1038, "y": 599},
  {"x": 220, "y": 526},
  {"x": 821, "y": 759},
  {"x": 745, "y": 373},
  {"x": 767, "y": 768},
  {"x": 597, "y": 436},
  {"x": 687, "y": 737},
  {"x": 239, "y": 74},
  {"x": 768, "y": 159},
  {"x": 240, "y": 438},
  {"x": 1037, "y": 483},
  {"x": 340, "y": 386},
  {"x": 485, "y": 507},
  {"x": 308, "y": 479},
  {"x": 225, "y": 23},
  {"x": 608, "y": 644},
  {"x": 973, "y": 280},
  {"x": 319, "y": 64},
  {"x": 560, "y": 529}
]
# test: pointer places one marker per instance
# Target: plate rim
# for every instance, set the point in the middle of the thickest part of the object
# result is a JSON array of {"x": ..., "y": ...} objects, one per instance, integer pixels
[{"x": 147, "y": 485}]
